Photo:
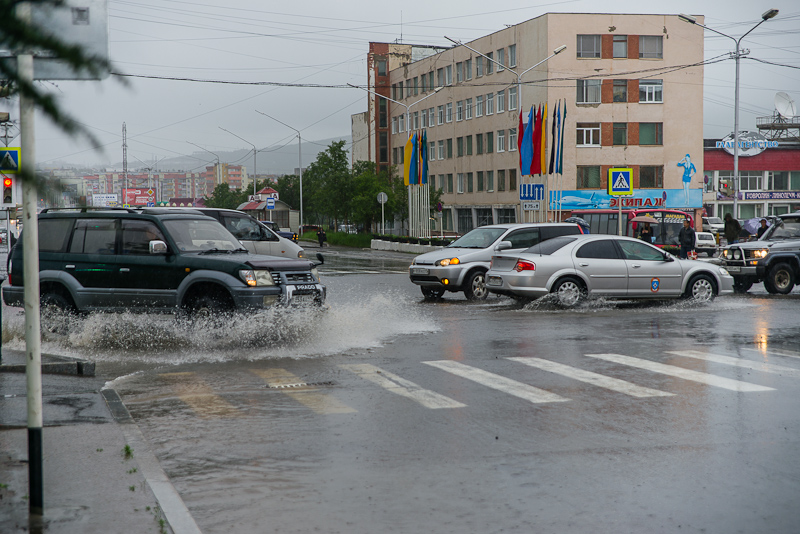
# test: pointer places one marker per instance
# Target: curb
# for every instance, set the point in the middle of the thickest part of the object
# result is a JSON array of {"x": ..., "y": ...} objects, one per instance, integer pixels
[{"x": 58, "y": 365}]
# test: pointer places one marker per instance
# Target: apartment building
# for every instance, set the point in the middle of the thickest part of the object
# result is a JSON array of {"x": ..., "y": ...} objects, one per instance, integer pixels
[{"x": 632, "y": 86}]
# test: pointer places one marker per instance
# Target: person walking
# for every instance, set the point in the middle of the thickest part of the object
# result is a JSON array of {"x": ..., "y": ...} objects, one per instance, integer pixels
[
  {"x": 732, "y": 229},
  {"x": 762, "y": 228},
  {"x": 686, "y": 239},
  {"x": 647, "y": 233},
  {"x": 321, "y": 237}
]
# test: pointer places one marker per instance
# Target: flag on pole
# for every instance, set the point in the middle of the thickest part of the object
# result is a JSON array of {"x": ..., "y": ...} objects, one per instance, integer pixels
[
  {"x": 558, "y": 136},
  {"x": 561, "y": 149},
  {"x": 536, "y": 162},
  {"x": 520, "y": 131},
  {"x": 410, "y": 166},
  {"x": 424, "y": 158},
  {"x": 544, "y": 139},
  {"x": 526, "y": 150},
  {"x": 553, "y": 145}
]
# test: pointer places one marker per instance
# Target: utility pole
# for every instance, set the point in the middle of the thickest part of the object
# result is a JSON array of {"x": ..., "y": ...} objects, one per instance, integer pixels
[{"x": 124, "y": 160}]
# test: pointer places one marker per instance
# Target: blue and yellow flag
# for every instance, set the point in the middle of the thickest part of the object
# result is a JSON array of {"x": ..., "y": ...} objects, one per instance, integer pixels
[
  {"x": 410, "y": 163},
  {"x": 423, "y": 157}
]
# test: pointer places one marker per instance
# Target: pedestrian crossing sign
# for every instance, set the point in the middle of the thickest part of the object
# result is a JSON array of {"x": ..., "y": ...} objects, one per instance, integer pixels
[
  {"x": 620, "y": 181},
  {"x": 9, "y": 160}
]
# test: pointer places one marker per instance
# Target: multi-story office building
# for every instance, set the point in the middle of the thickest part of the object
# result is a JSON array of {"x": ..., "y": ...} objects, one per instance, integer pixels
[{"x": 632, "y": 86}]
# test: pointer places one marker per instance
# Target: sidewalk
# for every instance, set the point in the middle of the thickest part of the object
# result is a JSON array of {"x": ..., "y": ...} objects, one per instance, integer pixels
[{"x": 89, "y": 483}]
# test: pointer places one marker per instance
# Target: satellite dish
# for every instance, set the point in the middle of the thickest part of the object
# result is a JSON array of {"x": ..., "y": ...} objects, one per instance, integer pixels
[{"x": 785, "y": 105}]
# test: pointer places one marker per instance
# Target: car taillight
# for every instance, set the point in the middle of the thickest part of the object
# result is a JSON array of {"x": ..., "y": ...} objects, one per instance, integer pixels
[{"x": 524, "y": 266}]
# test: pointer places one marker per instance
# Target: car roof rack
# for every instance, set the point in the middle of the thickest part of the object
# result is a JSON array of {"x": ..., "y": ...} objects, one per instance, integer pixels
[{"x": 84, "y": 209}]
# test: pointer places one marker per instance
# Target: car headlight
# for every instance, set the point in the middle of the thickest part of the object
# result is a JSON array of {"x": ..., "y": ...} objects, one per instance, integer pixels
[
  {"x": 736, "y": 255},
  {"x": 725, "y": 252},
  {"x": 447, "y": 261},
  {"x": 301, "y": 253},
  {"x": 315, "y": 273},
  {"x": 723, "y": 272},
  {"x": 256, "y": 278},
  {"x": 761, "y": 253}
]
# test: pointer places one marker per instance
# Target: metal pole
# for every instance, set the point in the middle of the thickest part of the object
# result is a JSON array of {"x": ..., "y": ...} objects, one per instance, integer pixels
[
  {"x": 30, "y": 262},
  {"x": 300, "y": 172}
]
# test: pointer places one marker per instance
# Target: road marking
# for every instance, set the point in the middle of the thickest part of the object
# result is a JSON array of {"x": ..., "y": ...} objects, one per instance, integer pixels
[
  {"x": 306, "y": 395},
  {"x": 739, "y": 362},
  {"x": 401, "y": 386},
  {"x": 680, "y": 372},
  {"x": 778, "y": 352},
  {"x": 199, "y": 396},
  {"x": 614, "y": 384},
  {"x": 500, "y": 383}
]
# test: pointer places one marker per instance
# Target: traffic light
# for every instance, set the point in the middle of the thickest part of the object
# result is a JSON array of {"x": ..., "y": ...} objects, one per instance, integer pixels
[{"x": 8, "y": 190}]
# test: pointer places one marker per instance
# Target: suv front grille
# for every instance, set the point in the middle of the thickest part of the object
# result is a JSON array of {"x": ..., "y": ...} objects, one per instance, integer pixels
[{"x": 293, "y": 278}]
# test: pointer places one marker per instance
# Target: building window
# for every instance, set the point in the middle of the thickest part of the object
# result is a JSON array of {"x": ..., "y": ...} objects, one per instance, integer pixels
[
  {"x": 484, "y": 216},
  {"x": 506, "y": 216},
  {"x": 588, "y": 134},
  {"x": 588, "y": 46},
  {"x": 394, "y": 125},
  {"x": 478, "y": 144},
  {"x": 501, "y": 140},
  {"x": 489, "y": 63},
  {"x": 448, "y": 112},
  {"x": 620, "y": 90},
  {"x": 450, "y": 148},
  {"x": 468, "y": 69},
  {"x": 416, "y": 86},
  {"x": 423, "y": 83},
  {"x": 430, "y": 80},
  {"x": 460, "y": 182},
  {"x": 651, "y": 177},
  {"x": 431, "y": 151},
  {"x": 620, "y": 133},
  {"x": 468, "y": 108},
  {"x": 440, "y": 154},
  {"x": 448, "y": 75},
  {"x": 459, "y": 146},
  {"x": 778, "y": 181},
  {"x": 512, "y": 98},
  {"x": 460, "y": 110},
  {"x": 489, "y": 142},
  {"x": 401, "y": 123},
  {"x": 490, "y": 104},
  {"x": 383, "y": 114},
  {"x": 512, "y": 55},
  {"x": 399, "y": 91},
  {"x": 651, "y": 133},
  {"x": 512, "y": 179},
  {"x": 479, "y": 106},
  {"x": 415, "y": 120},
  {"x": 469, "y": 145},
  {"x": 469, "y": 182},
  {"x": 381, "y": 64},
  {"x": 501, "y": 101},
  {"x": 464, "y": 220},
  {"x": 431, "y": 118},
  {"x": 489, "y": 182},
  {"x": 440, "y": 77},
  {"x": 589, "y": 177},
  {"x": 459, "y": 72},
  {"x": 501, "y": 59},
  {"x": 651, "y": 91},
  {"x": 480, "y": 181},
  {"x": 383, "y": 143},
  {"x": 501, "y": 180},
  {"x": 409, "y": 88},
  {"x": 620, "y": 46},
  {"x": 588, "y": 92},
  {"x": 449, "y": 182},
  {"x": 512, "y": 139},
  {"x": 424, "y": 118},
  {"x": 651, "y": 47},
  {"x": 750, "y": 180},
  {"x": 478, "y": 67},
  {"x": 440, "y": 114}
]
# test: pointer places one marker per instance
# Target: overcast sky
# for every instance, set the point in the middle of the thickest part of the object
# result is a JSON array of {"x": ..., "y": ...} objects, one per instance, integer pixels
[{"x": 317, "y": 44}]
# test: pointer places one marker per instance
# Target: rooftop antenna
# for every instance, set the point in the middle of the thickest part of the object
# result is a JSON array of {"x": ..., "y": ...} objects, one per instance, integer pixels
[
  {"x": 785, "y": 106},
  {"x": 401, "y": 26}
]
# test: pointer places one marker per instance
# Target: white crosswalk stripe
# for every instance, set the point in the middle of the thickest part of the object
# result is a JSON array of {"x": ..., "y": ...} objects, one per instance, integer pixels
[
  {"x": 401, "y": 386},
  {"x": 500, "y": 383},
  {"x": 680, "y": 372},
  {"x": 614, "y": 384},
  {"x": 777, "y": 352},
  {"x": 739, "y": 362}
]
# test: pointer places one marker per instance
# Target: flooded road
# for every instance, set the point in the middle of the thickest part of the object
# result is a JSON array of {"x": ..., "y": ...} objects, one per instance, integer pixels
[{"x": 385, "y": 413}]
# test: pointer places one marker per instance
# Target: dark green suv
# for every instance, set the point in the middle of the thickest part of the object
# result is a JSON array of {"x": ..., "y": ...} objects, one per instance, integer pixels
[{"x": 155, "y": 260}]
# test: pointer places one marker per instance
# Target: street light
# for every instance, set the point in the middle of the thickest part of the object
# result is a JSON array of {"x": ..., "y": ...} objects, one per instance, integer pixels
[
  {"x": 408, "y": 129},
  {"x": 519, "y": 76},
  {"x": 149, "y": 169},
  {"x": 217, "y": 177},
  {"x": 737, "y": 54},
  {"x": 299, "y": 162},
  {"x": 255, "y": 161}
]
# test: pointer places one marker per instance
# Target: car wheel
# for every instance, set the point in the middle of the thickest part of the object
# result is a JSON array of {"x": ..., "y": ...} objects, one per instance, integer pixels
[
  {"x": 569, "y": 292},
  {"x": 56, "y": 303},
  {"x": 742, "y": 285},
  {"x": 476, "y": 286},
  {"x": 701, "y": 289},
  {"x": 208, "y": 305},
  {"x": 781, "y": 278},
  {"x": 432, "y": 293}
]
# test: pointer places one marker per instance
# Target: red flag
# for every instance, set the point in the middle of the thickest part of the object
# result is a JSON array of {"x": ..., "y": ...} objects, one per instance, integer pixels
[{"x": 536, "y": 163}]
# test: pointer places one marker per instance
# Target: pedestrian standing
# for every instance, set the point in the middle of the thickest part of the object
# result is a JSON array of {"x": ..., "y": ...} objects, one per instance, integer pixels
[
  {"x": 647, "y": 233},
  {"x": 686, "y": 239},
  {"x": 321, "y": 237},
  {"x": 732, "y": 229},
  {"x": 762, "y": 228}
]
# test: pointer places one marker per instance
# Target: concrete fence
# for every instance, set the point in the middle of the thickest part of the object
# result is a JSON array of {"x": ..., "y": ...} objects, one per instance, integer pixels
[{"x": 378, "y": 244}]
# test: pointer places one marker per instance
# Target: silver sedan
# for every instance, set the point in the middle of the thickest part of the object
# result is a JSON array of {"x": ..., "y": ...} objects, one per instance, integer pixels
[{"x": 575, "y": 267}]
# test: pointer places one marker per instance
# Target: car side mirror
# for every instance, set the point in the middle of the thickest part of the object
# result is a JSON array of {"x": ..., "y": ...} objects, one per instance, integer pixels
[
  {"x": 158, "y": 247},
  {"x": 321, "y": 259},
  {"x": 503, "y": 245},
  {"x": 668, "y": 258}
]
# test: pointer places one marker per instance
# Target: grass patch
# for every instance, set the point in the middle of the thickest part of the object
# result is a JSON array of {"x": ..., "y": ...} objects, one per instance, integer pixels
[
  {"x": 127, "y": 452},
  {"x": 341, "y": 239}
]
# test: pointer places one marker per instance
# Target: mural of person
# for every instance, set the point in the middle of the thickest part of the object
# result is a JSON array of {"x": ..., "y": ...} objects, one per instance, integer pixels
[{"x": 689, "y": 170}]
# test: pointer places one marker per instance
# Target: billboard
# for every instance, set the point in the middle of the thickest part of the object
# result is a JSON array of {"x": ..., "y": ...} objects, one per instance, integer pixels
[
  {"x": 139, "y": 197},
  {"x": 105, "y": 200}
]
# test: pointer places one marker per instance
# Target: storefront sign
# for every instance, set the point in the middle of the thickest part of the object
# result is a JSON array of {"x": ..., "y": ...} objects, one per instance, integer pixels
[
  {"x": 750, "y": 144},
  {"x": 772, "y": 195},
  {"x": 641, "y": 198}
]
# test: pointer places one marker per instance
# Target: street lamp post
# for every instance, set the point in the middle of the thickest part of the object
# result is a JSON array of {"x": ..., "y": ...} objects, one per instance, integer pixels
[
  {"x": 255, "y": 161},
  {"x": 408, "y": 129},
  {"x": 519, "y": 76},
  {"x": 737, "y": 54},
  {"x": 299, "y": 162},
  {"x": 217, "y": 178}
]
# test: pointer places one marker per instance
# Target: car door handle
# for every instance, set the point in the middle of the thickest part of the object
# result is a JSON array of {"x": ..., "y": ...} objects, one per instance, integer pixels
[
  {"x": 124, "y": 270},
  {"x": 635, "y": 265},
  {"x": 69, "y": 266},
  {"x": 583, "y": 264}
]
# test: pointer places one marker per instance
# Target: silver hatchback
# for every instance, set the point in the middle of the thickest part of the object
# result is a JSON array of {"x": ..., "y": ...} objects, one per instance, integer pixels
[{"x": 575, "y": 267}]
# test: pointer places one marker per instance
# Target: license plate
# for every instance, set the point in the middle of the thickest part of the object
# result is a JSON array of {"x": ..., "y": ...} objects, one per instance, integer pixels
[
  {"x": 303, "y": 299},
  {"x": 305, "y": 287},
  {"x": 494, "y": 281},
  {"x": 419, "y": 270},
  {"x": 733, "y": 269}
]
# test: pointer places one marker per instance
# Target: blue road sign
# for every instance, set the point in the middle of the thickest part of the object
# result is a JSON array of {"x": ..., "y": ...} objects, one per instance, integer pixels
[
  {"x": 620, "y": 181},
  {"x": 531, "y": 191},
  {"x": 9, "y": 160}
]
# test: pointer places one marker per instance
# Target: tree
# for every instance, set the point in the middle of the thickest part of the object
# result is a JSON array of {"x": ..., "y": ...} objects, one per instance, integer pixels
[
  {"x": 223, "y": 197},
  {"x": 288, "y": 188},
  {"x": 366, "y": 185},
  {"x": 328, "y": 185}
]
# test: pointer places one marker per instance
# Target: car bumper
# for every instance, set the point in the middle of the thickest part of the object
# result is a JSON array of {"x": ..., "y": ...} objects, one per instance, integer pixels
[
  {"x": 13, "y": 295},
  {"x": 738, "y": 270},
  {"x": 432, "y": 276},
  {"x": 513, "y": 284}
]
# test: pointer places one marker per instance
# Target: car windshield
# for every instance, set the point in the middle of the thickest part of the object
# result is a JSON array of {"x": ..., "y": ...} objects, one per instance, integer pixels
[
  {"x": 715, "y": 220},
  {"x": 545, "y": 248},
  {"x": 478, "y": 238},
  {"x": 784, "y": 229},
  {"x": 198, "y": 235}
]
